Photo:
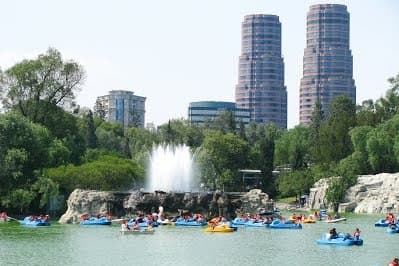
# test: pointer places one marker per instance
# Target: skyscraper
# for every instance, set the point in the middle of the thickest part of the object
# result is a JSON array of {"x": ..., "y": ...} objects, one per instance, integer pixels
[
  {"x": 327, "y": 61},
  {"x": 123, "y": 107},
  {"x": 260, "y": 85}
]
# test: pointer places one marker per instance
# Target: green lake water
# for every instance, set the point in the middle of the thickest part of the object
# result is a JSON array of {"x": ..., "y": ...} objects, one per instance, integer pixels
[{"x": 103, "y": 245}]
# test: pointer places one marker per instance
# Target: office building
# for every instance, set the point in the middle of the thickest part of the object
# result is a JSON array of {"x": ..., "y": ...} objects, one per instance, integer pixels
[
  {"x": 200, "y": 113},
  {"x": 123, "y": 107},
  {"x": 327, "y": 61},
  {"x": 260, "y": 85}
]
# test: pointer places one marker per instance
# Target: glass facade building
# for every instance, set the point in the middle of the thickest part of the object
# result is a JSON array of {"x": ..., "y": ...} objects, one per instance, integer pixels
[
  {"x": 260, "y": 85},
  {"x": 123, "y": 107},
  {"x": 327, "y": 61},
  {"x": 200, "y": 113}
]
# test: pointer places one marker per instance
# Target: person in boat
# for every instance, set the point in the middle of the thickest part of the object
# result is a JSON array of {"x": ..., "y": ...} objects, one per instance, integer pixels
[
  {"x": 394, "y": 262},
  {"x": 136, "y": 225},
  {"x": 329, "y": 218},
  {"x": 333, "y": 233},
  {"x": 337, "y": 216},
  {"x": 356, "y": 234},
  {"x": 149, "y": 227},
  {"x": 47, "y": 218},
  {"x": 124, "y": 226}
]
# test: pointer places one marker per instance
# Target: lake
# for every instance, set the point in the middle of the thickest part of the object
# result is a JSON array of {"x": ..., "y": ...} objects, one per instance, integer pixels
[{"x": 61, "y": 244}]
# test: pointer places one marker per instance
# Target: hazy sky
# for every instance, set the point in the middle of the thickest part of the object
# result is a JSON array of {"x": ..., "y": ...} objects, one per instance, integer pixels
[{"x": 177, "y": 51}]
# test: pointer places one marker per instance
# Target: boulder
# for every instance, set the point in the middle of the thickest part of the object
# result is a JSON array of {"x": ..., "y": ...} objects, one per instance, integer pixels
[
  {"x": 89, "y": 202},
  {"x": 254, "y": 201},
  {"x": 371, "y": 194}
]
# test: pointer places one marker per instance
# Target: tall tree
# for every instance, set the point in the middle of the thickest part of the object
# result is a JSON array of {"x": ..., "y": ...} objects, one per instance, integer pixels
[
  {"x": 388, "y": 106},
  {"x": 317, "y": 120},
  {"x": 91, "y": 138},
  {"x": 33, "y": 85},
  {"x": 335, "y": 142}
]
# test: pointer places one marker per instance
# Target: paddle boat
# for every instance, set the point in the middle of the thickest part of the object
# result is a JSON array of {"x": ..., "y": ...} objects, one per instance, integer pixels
[
  {"x": 336, "y": 220},
  {"x": 309, "y": 221},
  {"x": 393, "y": 229},
  {"x": 239, "y": 221},
  {"x": 382, "y": 223},
  {"x": 144, "y": 223},
  {"x": 137, "y": 232},
  {"x": 249, "y": 223},
  {"x": 189, "y": 222},
  {"x": 223, "y": 228},
  {"x": 31, "y": 221},
  {"x": 96, "y": 221},
  {"x": 163, "y": 221},
  {"x": 277, "y": 224},
  {"x": 342, "y": 240}
]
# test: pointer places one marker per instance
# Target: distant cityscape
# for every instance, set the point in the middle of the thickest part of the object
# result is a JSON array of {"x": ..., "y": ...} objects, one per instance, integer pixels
[{"x": 260, "y": 94}]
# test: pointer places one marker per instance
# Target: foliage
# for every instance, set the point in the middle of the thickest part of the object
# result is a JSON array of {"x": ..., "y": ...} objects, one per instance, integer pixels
[
  {"x": 19, "y": 199},
  {"x": 295, "y": 183},
  {"x": 106, "y": 173},
  {"x": 293, "y": 148},
  {"x": 110, "y": 136},
  {"x": 227, "y": 153},
  {"x": 335, "y": 192},
  {"x": 45, "y": 188},
  {"x": 47, "y": 79},
  {"x": 335, "y": 142},
  {"x": 23, "y": 148}
]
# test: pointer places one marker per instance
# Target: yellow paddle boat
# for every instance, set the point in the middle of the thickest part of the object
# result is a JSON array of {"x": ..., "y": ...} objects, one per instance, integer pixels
[
  {"x": 308, "y": 221},
  {"x": 224, "y": 228}
]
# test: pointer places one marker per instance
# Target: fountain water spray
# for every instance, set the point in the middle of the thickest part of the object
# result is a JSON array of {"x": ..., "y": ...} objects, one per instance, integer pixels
[{"x": 170, "y": 169}]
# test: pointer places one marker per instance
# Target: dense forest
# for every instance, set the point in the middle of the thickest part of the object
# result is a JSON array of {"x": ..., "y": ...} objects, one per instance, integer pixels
[{"x": 49, "y": 146}]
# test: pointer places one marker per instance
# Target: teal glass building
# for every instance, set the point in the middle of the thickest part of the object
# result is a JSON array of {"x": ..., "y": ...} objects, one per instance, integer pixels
[{"x": 200, "y": 113}]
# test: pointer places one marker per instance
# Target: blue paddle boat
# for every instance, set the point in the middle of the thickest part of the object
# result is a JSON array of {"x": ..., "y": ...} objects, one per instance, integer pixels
[
  {"x": 190, "y": 222},
  {"x": 276, "y": 224},
  {"x": 29, "y": 221},
  {"x": 249, "y": 223},
  {"x": 342, "y": 240},
  {"x": 382, "y": 223},
  {"x": 96, "y": 221},
  {"x": 144, "y": 223},
  {"x": 239, "y": 221},
  {"x": 393, "y": 229}
]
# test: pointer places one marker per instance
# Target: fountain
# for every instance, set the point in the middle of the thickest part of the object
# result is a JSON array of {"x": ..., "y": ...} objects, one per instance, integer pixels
[{"x": 170, "y": 169}]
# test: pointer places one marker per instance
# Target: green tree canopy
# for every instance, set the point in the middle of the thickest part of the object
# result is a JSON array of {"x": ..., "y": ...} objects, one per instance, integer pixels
[{"x": 48, "y": 79}]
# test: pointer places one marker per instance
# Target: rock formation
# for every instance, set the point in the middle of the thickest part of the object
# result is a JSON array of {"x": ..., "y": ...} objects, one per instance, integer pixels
[
  {"x": 130, "y": 203},
  {"x": 86, "y": 202},
  {"x": 372, "y": 194}
]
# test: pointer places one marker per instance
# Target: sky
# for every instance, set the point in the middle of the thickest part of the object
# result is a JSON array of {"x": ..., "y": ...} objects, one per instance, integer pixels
[{"x": 178, "y": 51}]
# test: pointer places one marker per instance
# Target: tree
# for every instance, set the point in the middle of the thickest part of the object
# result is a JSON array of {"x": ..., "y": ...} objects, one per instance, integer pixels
[
  {"x": 228, "y": 153},
  {"x": 335, "y": 191},
  {"x": 388, "y": 106},
  {"x": 317, "y": 120},
  {"x": 91, "y": 138},
  {"x": 47, "y": 79},
  {"x": 335, "y": 142},
  {"x": 293, "y": 148},
  {"x": 225, "y": 122},
  {"x": 366, "y": 114}
]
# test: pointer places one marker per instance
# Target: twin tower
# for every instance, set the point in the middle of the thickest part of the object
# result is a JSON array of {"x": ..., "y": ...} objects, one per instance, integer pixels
[{"x": 327, "y": 65}]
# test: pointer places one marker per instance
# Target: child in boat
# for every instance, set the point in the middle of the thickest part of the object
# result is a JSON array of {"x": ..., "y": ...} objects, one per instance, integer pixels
[
  {"x": 124, "y": 226},
  {"x": 136, "y": 225},
  {"x": 356, "y": 234}
]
